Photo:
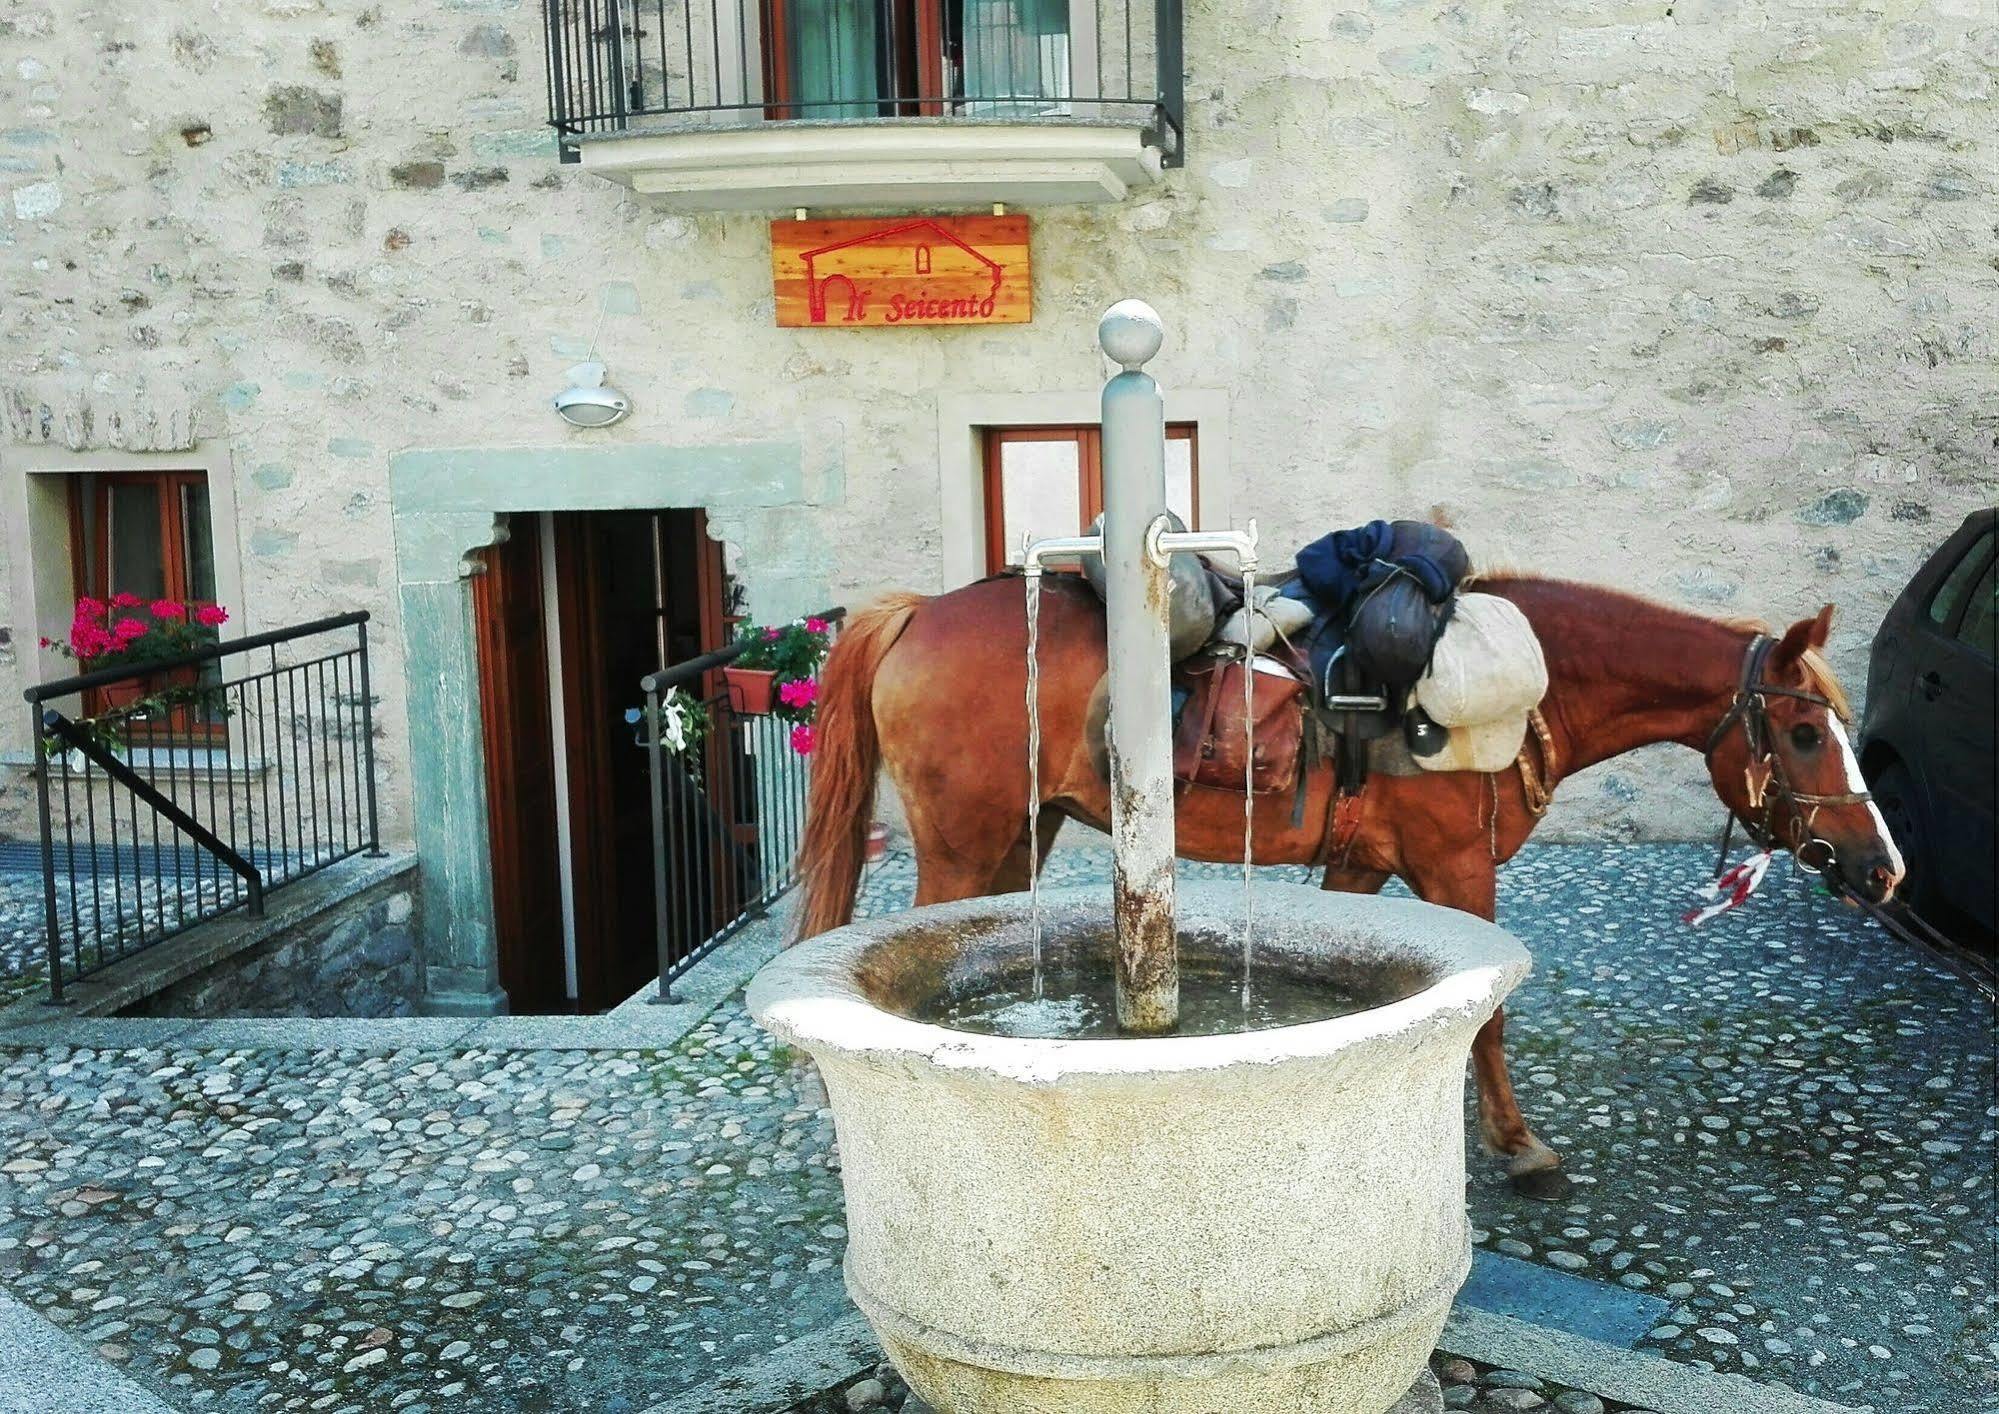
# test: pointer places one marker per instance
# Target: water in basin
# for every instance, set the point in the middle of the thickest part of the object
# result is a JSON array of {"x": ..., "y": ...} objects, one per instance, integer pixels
[{"x": 1075, "y": 1001}]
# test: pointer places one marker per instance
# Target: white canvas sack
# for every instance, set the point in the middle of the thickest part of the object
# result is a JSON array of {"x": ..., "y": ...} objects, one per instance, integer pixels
[{"x": 1487, "y": 666}]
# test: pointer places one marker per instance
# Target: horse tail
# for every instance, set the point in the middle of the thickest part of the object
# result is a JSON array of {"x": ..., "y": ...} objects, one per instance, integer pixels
[{"x": 846, "y": 758}]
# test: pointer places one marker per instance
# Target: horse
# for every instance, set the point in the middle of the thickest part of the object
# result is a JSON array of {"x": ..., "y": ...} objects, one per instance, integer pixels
[{"x": 933, "y": 689}]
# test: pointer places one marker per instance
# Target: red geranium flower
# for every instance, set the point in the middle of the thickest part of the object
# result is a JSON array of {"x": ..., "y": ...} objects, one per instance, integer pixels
[
  {"x": 168, "y": 609},
  {"x": 89, "y": 609},
  {"x": 126, "y": 599},
  {"x": 802, "y": 738},
  {"x": 211, "y": 615}
]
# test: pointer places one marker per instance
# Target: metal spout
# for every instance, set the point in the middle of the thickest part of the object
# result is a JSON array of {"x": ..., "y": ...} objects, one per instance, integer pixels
[{"x": 1162, "y": 544}]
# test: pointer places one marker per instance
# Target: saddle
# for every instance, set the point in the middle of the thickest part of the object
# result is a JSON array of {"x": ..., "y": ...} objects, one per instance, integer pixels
[{"x": 1209, "y": 733}]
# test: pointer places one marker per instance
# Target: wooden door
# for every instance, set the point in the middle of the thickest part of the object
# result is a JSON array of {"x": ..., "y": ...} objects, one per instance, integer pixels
[
  {"x": 610, "y": 631},
  {"x": 520, "y": 770}
]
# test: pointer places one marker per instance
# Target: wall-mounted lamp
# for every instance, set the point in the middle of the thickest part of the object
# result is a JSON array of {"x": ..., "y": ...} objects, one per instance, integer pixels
[{"x": 587, "y": 402}]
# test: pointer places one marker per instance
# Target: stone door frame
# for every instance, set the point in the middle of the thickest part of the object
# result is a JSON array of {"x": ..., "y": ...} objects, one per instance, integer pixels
[{"x": 761, "y": 497}]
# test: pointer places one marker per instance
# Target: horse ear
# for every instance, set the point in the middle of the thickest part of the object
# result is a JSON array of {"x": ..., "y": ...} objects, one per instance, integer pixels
[{"x": 1804, "y": 634}]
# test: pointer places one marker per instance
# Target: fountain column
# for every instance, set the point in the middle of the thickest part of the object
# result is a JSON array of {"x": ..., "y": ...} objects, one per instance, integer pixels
[{"x": 1141, "y": 736}]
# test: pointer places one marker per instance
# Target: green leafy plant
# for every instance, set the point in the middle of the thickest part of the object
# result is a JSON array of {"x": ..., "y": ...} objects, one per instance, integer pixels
[
  {"x": 135, "y": 634},
  {"x": 126, "y": 631},
  {"x": 680, "y": 723},
  {"x": 794, "y": 653}
]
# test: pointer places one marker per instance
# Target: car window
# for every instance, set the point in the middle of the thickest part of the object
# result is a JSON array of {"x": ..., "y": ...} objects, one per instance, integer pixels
[
  {"x": 1943, "y": 603},
  {"x": 1980, "y": 623}
]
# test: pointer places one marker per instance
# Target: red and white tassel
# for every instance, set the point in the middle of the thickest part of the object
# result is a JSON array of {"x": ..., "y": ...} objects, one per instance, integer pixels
[{"x": 1731, "y": 890}]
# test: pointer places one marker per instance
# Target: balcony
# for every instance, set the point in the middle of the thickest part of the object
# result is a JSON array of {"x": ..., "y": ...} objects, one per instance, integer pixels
[{"x": 770, "y": 105}]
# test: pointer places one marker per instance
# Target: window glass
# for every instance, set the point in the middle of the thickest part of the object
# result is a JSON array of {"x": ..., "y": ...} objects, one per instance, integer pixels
[
  {"x": 834, "y": 53},
  {"x": 1040, "y": 490},
  {"x": 1943, "y": 604},
  {"x": 197, "y": 541},
  {"x": 137, "y": 560},
  {"x": 1980, "y": 624},
  {"x": 1015, "y": 56},
  {"x": 1180, "y": 479}
]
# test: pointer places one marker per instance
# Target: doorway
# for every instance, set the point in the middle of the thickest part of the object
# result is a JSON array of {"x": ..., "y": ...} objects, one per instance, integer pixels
[{"x": 574, "y": 608}]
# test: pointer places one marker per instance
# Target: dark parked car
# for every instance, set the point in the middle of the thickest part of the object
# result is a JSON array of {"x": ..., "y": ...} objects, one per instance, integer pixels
[{"x": 1928, "y": 745}]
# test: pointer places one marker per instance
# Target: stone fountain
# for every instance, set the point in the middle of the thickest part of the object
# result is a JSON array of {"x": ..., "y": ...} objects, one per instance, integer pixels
[{"x": 1256, "y": 1208}]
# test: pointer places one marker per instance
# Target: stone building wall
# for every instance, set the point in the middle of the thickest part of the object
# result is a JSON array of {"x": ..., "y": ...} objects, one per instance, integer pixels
[
  {"x": 1697, "y": 297},
  {"x": 355, "y": 957}
]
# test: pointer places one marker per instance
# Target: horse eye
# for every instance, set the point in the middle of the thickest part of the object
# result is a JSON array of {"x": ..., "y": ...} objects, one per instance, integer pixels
[{"x": 1805, "y": 736}]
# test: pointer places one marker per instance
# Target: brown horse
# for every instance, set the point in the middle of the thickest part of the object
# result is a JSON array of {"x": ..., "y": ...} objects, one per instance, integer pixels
[{"x": 933, "y": 689}]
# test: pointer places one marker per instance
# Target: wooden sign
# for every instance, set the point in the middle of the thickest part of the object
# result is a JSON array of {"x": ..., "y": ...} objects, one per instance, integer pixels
[{"x": 900, "y": 270}]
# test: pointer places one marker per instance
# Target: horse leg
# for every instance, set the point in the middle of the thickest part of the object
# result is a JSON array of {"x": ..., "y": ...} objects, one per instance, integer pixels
[
  {"x": 1533, "y": 1169},
  {"x": 965, "y": 863},
  {"x": 1011, "y": 876},
  {"x": 1354, "y": 881}
]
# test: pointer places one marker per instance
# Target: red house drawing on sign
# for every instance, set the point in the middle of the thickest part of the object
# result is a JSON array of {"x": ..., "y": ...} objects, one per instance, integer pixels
[{"x": 929, "y": 250}]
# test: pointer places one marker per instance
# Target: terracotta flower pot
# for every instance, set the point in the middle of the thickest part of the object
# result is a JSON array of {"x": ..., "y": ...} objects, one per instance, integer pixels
[
  {"x": 752, "y": 691},
  {"x": 119, "y": 695}
]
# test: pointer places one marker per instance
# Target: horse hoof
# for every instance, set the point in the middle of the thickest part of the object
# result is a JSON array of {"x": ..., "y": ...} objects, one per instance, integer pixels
[{"x": 1549, "y": 1185}]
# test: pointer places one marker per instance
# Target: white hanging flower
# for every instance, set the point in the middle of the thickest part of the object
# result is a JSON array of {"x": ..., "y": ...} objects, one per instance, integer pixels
[{"x": 673, "y": 723}]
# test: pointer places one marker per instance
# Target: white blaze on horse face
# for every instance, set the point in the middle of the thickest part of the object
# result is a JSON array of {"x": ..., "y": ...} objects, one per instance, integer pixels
[{"x": 1857, "y": 783}]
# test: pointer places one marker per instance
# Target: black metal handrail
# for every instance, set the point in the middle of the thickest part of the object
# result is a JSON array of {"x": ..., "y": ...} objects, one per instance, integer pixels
[
  {"x": 727, "y": 815},
  {"x": 194, "y": 657},
  {"x": 611, "y": 64},
  {"x": 249, "y": 773},
  {"x": 694, "y": 669}
]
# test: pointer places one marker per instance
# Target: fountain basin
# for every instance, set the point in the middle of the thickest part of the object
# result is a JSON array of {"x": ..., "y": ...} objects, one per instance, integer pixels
[{"x": 1271, "y": 1219}]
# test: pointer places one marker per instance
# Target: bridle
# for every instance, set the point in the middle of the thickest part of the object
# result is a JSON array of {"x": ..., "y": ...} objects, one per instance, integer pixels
[{"x": 1751, "y": 710}]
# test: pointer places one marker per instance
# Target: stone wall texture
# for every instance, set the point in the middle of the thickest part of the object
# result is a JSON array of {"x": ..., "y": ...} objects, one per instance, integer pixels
[
  {"x": 357, "y": 957},
  {"x": 1697, "y": 297}
]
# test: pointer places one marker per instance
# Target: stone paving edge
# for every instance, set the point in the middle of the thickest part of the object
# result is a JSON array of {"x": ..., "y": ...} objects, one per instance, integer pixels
[
  {"x": 796, "y": 1370},
  {"x": 637, "y": 1024},
  {"x": 44, "y": 1371},
  {"x": 816, "y": 1362},
  {"x": 1611, "y": 1373}
]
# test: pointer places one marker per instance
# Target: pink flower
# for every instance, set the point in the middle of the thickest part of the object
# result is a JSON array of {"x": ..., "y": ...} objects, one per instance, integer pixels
[
  {"x": 129, "y": 629},
  {"x": 802, "y": 738},
  {"x": 168, "y": 609},
  {"x": 88, "y": 610},
  {"x": 799, "y": 692},
  {"x": 48, "y": 642},
  {"x": 126, "y": 599},
  {"x": 87, "y": 641},
  {"x": 212, "y": 615},
  {"x": 815, "y": 625},
  {"x": 772, "y": 633}
]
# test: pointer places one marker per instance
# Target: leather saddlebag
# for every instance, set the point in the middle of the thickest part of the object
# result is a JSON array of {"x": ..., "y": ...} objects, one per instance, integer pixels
[{"x": 1208, "y": 733}]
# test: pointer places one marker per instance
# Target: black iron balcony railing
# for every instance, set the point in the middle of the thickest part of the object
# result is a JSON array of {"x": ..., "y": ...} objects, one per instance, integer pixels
[
  {"x": 198, "y": 785},
  {"x": 728, "y": 812},
  {"x": 614, "y": 64}
]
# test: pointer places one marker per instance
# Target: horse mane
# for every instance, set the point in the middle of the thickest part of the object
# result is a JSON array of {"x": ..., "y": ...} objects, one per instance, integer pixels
[{"x": 1819, "y": 674}]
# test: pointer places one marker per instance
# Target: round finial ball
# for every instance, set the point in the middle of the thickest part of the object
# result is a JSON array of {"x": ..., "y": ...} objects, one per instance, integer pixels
[{"x": 1130, "y": 332}]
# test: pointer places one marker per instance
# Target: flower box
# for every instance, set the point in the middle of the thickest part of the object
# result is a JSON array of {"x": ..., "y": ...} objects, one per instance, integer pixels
[
  {"x": 752, "y": 691},
  {"x": 117, "y": 696}
]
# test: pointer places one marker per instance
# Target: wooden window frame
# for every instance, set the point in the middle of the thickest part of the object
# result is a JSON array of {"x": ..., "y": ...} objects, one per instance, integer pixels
[
  {"x": 94, "y": 579},
  {"x": 923, "y": 20},
  {"x": 1088, "y": 440}
]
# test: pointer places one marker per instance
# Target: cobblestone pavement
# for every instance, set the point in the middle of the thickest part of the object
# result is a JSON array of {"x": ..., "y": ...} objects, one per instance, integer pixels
[
  {"x": 127, "y": 902},
  {"x": 1780, "y": 1123}
]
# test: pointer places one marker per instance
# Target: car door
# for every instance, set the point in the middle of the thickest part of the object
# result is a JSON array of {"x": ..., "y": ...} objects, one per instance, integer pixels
[{"x": 1955, "y": 682}]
